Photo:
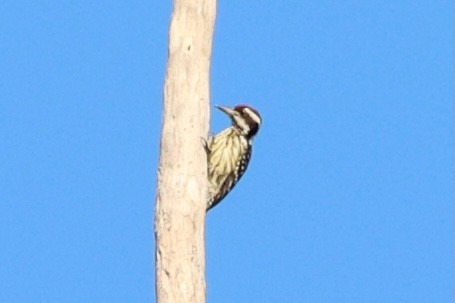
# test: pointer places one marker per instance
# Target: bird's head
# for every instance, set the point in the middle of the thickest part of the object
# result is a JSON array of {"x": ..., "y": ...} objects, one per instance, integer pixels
[{"x": 245, "y": 118}]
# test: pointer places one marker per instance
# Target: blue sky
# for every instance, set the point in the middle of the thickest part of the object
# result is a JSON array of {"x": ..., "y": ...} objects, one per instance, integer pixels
[{"x": 349, "y": 196}]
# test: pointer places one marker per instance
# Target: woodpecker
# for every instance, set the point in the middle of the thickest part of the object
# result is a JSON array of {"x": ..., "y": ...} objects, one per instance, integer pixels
[{"x": 229, "y": 152}]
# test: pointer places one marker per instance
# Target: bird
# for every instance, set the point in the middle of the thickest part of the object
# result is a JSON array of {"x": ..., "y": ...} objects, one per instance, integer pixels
[{"x": 229, "y": 152}]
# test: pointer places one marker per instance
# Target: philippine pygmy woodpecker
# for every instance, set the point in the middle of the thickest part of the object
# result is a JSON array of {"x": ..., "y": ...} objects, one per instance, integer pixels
[{"x": 229, "y": 152}]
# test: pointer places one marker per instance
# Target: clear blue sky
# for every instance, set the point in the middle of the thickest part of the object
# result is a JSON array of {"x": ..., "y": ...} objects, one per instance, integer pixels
[{"x": 349, "y": 196}]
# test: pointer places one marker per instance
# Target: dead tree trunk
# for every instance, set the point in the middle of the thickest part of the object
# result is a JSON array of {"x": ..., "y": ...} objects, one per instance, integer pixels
[{"x": 182, "y": 177}]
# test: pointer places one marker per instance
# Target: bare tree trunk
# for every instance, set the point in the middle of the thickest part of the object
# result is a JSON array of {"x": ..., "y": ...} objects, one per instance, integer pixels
[{"x": 182, "y": 177}]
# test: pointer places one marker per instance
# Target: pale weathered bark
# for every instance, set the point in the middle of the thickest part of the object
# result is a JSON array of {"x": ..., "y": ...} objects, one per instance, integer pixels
[{"x": 182, "y": 177}]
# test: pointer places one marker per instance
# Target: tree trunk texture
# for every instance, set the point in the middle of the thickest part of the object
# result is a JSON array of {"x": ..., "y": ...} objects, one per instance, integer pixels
[{"x": 182, "y": 176}]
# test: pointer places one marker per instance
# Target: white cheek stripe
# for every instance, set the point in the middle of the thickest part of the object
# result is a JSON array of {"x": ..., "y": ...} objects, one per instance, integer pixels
[
  {"x": 243, "y": 126},
  {"x": 253, "y": 115}
]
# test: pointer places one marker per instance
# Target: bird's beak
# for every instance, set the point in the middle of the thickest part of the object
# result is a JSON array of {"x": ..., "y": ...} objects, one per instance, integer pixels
[{"x": 227, "y": 110}]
